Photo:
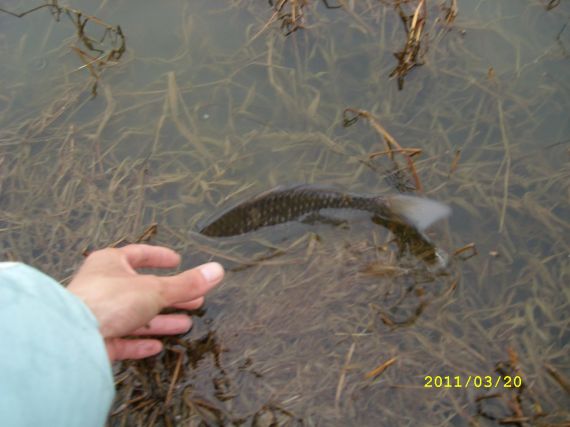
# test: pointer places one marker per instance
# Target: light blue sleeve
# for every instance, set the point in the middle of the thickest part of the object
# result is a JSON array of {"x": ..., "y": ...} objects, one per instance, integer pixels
[{"x": 54, "y": 369}]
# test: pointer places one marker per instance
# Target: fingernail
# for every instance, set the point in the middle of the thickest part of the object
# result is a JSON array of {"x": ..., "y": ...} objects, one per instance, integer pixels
[
  {"x": 212, "y": 272},
  {"x": 151, "y": 347},
  {"x": 189, "y": 326}
]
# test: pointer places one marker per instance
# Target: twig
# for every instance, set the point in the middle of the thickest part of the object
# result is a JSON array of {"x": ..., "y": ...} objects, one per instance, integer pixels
[
  {"x": 380, "y": 369},
  {"x": 389, "y": 140},
  {"x": 342, "y": 378}
]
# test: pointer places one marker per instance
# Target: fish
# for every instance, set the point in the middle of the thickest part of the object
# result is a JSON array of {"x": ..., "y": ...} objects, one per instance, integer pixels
[
  {"x": 406, "y": 216},
  {"x": 295, "y": 203}
]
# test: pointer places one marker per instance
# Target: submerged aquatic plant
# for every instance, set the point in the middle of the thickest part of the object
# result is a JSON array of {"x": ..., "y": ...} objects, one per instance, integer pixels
[{"x": 92, "y": 51}]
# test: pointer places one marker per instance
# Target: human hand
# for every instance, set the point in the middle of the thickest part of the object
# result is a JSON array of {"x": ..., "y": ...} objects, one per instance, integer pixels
[{"x": 127, "y": 303}]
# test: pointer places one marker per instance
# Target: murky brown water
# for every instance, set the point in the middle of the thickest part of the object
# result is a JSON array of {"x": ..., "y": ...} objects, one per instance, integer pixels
[{"x": 210, "y": 102}]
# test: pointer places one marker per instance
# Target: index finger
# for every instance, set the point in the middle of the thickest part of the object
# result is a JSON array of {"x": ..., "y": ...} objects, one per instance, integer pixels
[{"x": 140, "y": 256}]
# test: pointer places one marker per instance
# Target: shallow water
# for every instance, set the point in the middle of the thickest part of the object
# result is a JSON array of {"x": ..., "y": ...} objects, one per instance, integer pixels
[{"x": 209, "y": 104}]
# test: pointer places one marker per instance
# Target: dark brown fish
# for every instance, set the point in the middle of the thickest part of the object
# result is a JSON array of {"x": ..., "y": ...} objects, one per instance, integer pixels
[{"x": 284, "y": 204}]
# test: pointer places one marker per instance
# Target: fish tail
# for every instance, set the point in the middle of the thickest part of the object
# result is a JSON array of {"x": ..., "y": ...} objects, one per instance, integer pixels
[{"x": 418, "y": 212}]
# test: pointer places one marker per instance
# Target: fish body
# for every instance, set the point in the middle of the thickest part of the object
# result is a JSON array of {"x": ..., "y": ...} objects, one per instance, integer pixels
[{"x": 283, "y": 204}]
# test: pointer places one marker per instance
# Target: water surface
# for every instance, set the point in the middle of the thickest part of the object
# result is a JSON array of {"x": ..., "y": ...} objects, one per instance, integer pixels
[{"x": 210, "y": 103}]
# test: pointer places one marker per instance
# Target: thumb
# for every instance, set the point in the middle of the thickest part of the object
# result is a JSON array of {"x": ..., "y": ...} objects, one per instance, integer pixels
[{"x": 191, "y": 284}]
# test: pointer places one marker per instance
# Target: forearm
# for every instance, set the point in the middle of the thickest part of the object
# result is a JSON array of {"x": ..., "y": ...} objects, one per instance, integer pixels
[{"x": 53, "y": 363}]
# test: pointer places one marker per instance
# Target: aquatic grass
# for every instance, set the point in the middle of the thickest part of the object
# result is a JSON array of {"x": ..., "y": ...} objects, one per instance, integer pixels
[
  {"x": 93, "y": 52},
  {"x": 149, "y": 157}
]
